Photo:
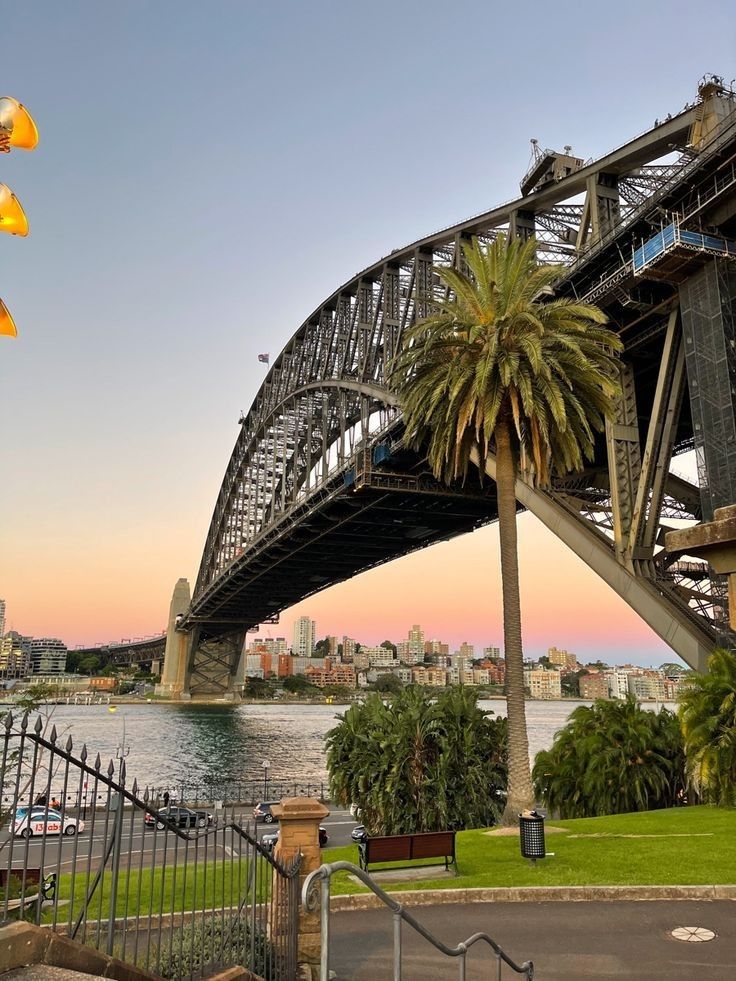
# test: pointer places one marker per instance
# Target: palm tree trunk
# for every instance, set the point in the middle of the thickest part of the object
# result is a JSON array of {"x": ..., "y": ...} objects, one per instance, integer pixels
[{"x": 520, "y": 793}]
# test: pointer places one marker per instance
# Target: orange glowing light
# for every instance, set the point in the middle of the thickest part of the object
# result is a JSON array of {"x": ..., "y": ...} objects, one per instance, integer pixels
[
  {"x": 12, "y": 217},
  {"x": 17, "y": 128}
]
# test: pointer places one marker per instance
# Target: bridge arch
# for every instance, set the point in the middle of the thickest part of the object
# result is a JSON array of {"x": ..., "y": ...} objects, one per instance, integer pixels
[{"x": 318, "y": 478}]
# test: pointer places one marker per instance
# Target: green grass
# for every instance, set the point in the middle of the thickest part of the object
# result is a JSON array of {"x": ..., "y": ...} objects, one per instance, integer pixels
[
  {"x": 213, "y": 886},
  {"x": 705, "y": 856}
]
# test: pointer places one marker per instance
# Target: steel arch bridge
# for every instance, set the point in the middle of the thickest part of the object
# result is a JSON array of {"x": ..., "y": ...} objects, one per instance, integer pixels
[{"x": 319, "y": 487}]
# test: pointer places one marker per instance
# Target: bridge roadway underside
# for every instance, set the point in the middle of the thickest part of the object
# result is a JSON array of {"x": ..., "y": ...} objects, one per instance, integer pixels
[{"x": 353, "y": 528}]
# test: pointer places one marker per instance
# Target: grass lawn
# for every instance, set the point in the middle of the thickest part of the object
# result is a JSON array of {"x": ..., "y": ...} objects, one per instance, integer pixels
[
  {"x": 681, "y": 846},
  {"x": 153, "y": 891}
]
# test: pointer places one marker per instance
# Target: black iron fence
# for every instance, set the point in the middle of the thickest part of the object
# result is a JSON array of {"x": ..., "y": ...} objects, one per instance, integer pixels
[
  {"x": 226, "y": 793},
  {"x": 176, "y": 888}
]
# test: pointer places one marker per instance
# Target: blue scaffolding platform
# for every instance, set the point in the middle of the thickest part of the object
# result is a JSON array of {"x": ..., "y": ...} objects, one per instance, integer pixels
[{"x": 674, "y": 242}]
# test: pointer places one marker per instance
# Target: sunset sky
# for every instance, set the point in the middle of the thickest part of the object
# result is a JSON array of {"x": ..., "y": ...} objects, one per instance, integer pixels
[{"x": 205, "y": 177}]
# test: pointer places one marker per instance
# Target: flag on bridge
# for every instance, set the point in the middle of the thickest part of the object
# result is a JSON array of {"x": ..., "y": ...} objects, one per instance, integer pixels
[{"x": 264, "y": 358}]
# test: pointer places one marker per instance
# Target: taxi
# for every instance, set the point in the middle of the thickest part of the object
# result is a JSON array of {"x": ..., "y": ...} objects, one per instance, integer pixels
[{"x": 44, "y": 821}]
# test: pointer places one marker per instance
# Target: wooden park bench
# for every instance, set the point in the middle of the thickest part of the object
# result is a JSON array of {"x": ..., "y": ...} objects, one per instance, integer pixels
[
  {"x": 45, "y": 888},
  {"x": 408, "y": 848}
]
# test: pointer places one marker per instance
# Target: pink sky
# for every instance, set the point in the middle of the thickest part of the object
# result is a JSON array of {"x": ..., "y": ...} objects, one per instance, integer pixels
[{"x": 115, "y": 581}]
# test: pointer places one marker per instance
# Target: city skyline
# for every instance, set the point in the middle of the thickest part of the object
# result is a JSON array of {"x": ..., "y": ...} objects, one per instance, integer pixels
[{"x": 172, "y": 244}]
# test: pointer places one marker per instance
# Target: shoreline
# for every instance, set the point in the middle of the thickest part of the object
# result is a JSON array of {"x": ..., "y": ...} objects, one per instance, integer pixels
[{"x": 284, "y": 702}]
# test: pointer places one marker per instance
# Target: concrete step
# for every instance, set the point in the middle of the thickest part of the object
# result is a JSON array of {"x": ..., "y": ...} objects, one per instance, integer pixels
[{"x": 44, "y": 972}]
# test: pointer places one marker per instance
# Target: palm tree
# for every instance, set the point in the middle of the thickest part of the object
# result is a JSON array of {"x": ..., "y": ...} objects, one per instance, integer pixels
[
  {"x": 612, "y": 758},
  {"x": 708, "y": 720},
  {"x": 500, "y": 367},
  {"x": 418, "y": 763}
]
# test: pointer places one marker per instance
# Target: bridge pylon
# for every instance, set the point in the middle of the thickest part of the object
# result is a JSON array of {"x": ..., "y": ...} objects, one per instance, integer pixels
[
  {"x": 200, "y": 663},
  {"x": 176, "y": 654}
]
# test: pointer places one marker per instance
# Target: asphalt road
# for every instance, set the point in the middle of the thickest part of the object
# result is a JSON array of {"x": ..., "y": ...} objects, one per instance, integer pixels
[
  {"x": 566, "y": 941},
  {"x": 143, "y": 845}
]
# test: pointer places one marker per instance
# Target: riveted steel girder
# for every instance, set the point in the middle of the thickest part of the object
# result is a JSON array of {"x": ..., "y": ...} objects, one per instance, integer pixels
[{"x": 292, "y": 515}]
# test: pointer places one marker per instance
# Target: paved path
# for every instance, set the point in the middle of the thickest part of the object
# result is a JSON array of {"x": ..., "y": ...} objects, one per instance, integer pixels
[{"x": 567, "y": 941}]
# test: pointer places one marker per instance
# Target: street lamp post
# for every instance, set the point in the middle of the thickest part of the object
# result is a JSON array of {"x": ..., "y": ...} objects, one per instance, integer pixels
[{"x": 265, "y": 766}]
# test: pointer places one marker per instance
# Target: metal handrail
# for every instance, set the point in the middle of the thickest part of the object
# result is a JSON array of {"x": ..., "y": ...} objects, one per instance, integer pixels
[{"x": 316, "y": 893}]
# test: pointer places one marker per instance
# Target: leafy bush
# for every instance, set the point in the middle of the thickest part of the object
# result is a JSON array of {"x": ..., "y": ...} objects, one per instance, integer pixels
[
  {"x": 418, "y": 764},
  {"x": 611, "y": 758},
  {"x": 213, "y": 943}
]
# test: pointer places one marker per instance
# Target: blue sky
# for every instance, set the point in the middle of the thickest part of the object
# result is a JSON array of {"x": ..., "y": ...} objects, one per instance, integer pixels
[{"x": 206, "y": 176}]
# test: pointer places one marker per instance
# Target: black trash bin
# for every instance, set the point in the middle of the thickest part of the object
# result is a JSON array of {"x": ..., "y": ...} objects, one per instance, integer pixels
[{"x": 531, "y": 835}]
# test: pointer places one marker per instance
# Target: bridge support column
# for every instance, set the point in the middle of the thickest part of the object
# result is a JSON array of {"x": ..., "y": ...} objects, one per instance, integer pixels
[
  {"x": 708, "y": 301},
  {"x": 215, "y": 666},
  {"x": 176, "y": 655}
]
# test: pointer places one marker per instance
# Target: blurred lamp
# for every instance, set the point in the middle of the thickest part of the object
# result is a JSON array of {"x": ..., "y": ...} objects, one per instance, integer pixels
[
  {"x": 12, "y": 217},
  {"x": 17, "y": 128},
  {"x": 7, "y": 324}
]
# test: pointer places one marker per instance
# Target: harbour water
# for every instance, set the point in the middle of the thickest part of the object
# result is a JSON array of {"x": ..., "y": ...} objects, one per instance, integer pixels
[{"x": 194, "y": 744}]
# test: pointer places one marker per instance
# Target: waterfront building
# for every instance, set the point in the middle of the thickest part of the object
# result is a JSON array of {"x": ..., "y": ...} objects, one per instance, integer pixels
[
  {"x": 268, "y": 645},
  {"x": 102, "y": 683},
  {"x": 648, "y": 685},
  {"x": 481, "y": 676},
  {"x": 305, "y": 630},
  {"x": 15, "y": 655},
  {"x": 594, "y": 686},
  {"x": 429, "y": 676},
  {"x": 67, "y": 683},
  {"x": 48, "y": 655},
  {"x": 338, "y": 675},
  {"x": 496, "y": 670},
  {"x": 563, "y": 659},
  {"x": 543, "y": 682},
  {"x": 300, "y": 664},
  {"x": 618, "y": 682},
  {"x": 378, "y": 656}
]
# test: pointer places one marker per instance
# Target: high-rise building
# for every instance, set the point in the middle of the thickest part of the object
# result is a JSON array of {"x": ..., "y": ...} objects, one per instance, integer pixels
[
  {"x": 436, "y": 649},
  {"x": 332, "y": 643},
  {"x": 48, "y": 655},
  {"x": 348, "y": 649},
  {"x": 304, "y": 633},
  {"x": 2, "y": 617},
  {"x": 411, "y": 650},
  {"x": 492, "y": 653},
  {"x": 467, "y": 651},
  {"x": 15, "y": 655}
]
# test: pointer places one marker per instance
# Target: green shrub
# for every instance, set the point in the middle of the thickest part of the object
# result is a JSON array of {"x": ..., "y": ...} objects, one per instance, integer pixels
[
  {"x": 418, "y": 762},
  {"x": 210, "y": 942},
  {"x": 611, "y": 758}
]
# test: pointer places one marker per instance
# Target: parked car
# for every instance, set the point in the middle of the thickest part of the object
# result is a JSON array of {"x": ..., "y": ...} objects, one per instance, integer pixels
[
  {"x": 269, "y": 840},
  {"x": 358, "y": 833},
  {"x": 180, "y": 817},
  {"x": 44, "y": 821},
  {"x": 262, "y": 811}
]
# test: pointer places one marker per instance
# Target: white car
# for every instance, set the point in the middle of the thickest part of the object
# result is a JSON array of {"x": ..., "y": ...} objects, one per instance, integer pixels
[{"x": 42, "y": 821}]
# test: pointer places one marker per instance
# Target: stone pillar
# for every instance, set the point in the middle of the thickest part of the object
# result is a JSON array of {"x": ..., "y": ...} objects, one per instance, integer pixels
[
  {"x": 177, "y": 646},
  {"x": 299, "y": 819}
]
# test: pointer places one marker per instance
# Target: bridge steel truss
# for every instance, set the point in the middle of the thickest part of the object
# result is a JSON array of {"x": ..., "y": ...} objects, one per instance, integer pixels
[{"x": 319, "y": 488}]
